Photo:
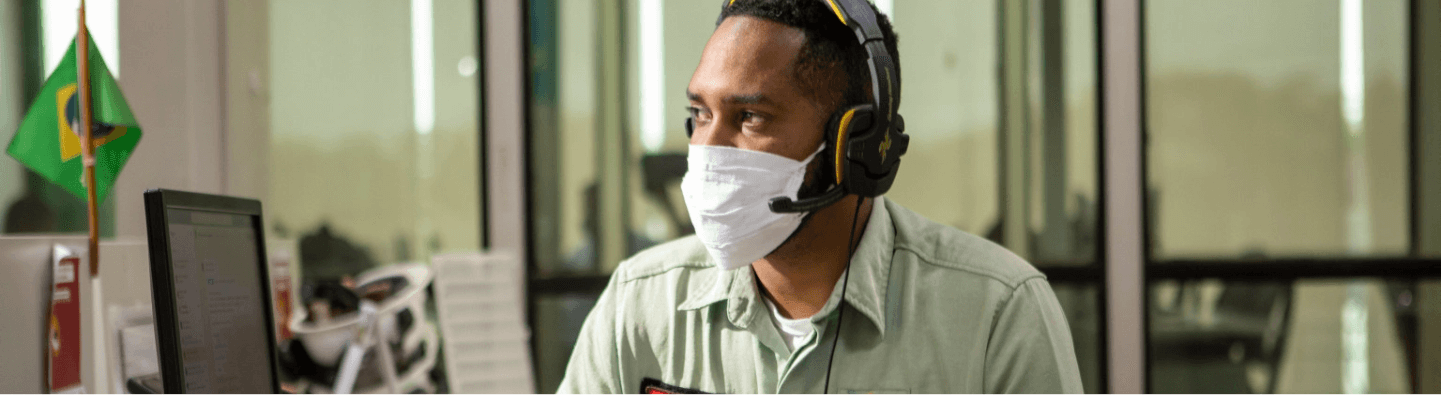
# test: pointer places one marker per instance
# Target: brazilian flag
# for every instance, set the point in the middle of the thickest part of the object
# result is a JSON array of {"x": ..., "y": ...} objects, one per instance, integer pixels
[{"x": 47, "y": 141}]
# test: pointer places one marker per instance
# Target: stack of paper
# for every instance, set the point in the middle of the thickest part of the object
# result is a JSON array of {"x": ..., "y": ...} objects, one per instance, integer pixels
[{"x": 481, "y": 309}]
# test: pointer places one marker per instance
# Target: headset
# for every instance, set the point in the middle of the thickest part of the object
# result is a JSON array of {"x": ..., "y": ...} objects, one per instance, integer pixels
[{"x": 866, "y": 141}]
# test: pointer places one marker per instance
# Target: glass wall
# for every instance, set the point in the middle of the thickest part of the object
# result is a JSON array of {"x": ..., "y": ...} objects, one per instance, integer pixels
[
  {"x": 1279, "y": 138},
  {"x": 1277, "y": 128},
  {"x": 373, "y": 126},
  {"x": 1048, "y": 150},
  {"x": 607, "y": 144}
]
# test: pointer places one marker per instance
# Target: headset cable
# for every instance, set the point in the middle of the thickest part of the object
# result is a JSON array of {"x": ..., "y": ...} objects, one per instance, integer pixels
[{"x": 845, "y": 281}]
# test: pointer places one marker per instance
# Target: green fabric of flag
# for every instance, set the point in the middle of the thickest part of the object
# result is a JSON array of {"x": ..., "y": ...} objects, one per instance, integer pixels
[{"x": 47, "y": 141}]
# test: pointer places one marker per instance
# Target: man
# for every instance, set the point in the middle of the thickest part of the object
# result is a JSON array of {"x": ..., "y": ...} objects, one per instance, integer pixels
[{"x": 753, "y": 303}]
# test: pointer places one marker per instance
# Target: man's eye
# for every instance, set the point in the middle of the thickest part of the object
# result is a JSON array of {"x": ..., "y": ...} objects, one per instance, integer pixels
[
  {"x": 747, "y": 116},
  {"x": 697, "y": 113}
]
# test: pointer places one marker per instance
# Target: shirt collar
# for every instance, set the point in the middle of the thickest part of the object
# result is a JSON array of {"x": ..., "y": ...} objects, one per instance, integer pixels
[
  {"x": 713, "y": 285},
  {"x": 870, "y": 273}
]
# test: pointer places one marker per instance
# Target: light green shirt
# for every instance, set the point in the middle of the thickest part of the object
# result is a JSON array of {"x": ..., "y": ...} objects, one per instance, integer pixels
[{"x": 929, "y": 309}]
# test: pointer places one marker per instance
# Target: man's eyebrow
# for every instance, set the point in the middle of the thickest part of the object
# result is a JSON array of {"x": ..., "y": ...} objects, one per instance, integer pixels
[{"x": 754, "y": 98}]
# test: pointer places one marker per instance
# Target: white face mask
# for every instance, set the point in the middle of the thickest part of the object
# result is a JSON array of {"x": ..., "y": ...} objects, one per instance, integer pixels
[{"x": 727, "y": 191}]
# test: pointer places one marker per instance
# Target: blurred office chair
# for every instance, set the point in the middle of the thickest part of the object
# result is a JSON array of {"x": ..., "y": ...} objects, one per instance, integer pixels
[
  {"x": 326, "y": 255},
  {"x": 1214, "y": 337}
]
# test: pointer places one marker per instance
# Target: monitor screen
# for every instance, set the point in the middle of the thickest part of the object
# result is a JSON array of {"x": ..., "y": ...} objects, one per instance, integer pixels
[{"x": 219, "y": 302}]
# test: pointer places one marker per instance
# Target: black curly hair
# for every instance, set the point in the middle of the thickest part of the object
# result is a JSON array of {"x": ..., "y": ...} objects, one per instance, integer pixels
[{"x": 829, "y": 47}]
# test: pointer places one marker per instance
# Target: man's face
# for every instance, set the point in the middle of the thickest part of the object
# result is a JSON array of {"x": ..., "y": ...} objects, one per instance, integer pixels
[{"x": 744, "y": 93}]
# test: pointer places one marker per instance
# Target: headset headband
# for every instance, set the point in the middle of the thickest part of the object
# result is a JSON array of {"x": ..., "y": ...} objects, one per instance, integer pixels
[{"x": 857, "y": 16}]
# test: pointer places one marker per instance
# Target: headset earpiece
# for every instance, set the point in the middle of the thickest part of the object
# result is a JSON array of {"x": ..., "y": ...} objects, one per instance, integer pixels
[
  {"x": 840, "y": 131},
  {"x": 866, "y": 156}
]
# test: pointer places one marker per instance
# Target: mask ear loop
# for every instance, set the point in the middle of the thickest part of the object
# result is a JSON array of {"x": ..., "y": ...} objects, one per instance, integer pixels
[
  {"x": 846, "y": 281},
  {"x": 820, "y": 172},
  {"x": 820, "y": 181}
]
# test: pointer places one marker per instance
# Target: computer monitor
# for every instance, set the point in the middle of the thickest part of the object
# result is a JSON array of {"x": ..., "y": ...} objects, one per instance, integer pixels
[{"x": 213, "y": 314}]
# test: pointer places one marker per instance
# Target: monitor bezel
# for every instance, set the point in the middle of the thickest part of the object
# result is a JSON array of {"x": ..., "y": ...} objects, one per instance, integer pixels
[{"x": 157, "y": 203}]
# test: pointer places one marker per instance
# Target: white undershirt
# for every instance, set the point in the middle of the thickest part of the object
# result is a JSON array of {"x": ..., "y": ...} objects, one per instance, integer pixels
[{"x": 795, "y": 331}]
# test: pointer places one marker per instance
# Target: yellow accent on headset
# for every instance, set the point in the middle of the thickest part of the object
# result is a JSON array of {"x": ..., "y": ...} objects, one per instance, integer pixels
[
  {"x": 733, "y": 2},
  {"x": 885, "y": 146},
  {"x": 841, "y": 141},
  {"x": 834, "y": 8}
]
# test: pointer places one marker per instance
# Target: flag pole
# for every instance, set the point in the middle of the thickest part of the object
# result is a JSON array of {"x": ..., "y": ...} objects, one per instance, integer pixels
[{"x": 82, "y": 56}]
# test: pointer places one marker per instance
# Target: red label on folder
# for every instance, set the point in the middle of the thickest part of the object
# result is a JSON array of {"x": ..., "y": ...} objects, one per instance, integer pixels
[
  {"x": 63, "y": 337},
  {"x": 282, "y": 303}
]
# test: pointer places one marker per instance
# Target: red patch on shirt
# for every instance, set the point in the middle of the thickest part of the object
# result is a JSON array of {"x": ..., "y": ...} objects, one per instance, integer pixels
[{"x": 653, "y": 386}]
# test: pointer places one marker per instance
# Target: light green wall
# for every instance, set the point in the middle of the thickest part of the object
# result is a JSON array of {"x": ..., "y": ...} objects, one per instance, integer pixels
[
  {"x": 344, "y": 149},
  {"x": 1246, "y": 132}
]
